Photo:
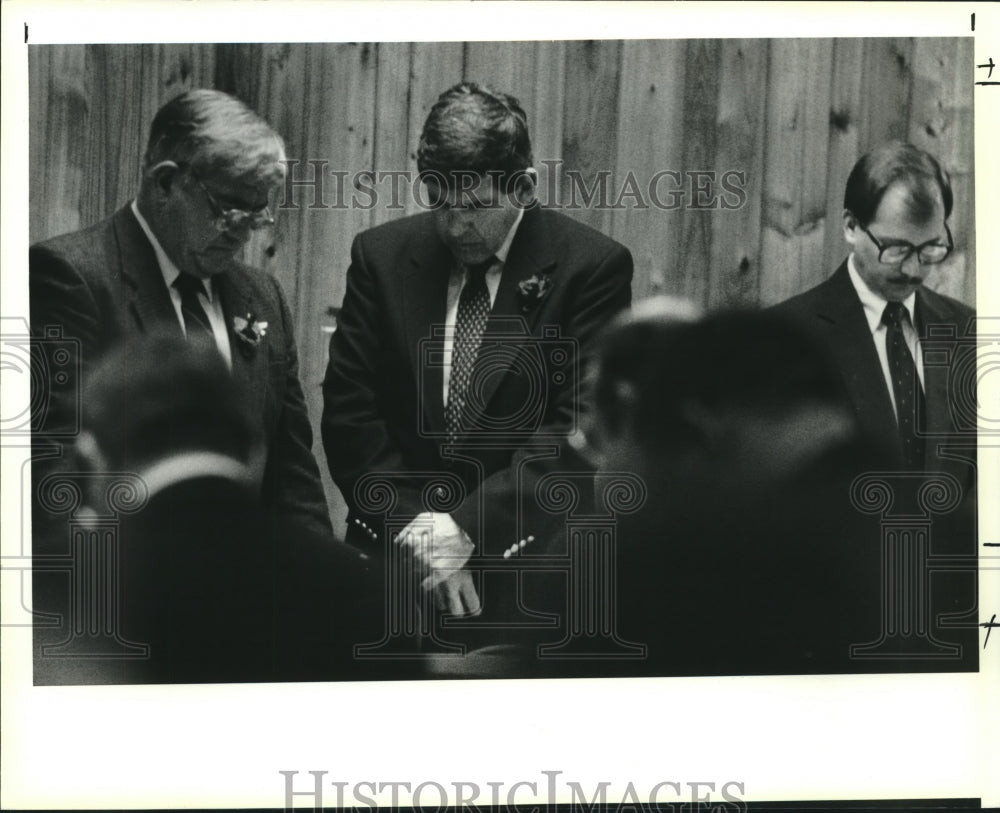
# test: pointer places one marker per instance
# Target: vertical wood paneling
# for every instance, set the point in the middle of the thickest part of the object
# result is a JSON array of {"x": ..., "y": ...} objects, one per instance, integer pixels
[
  {"x": 795, "y": 168},
  {"x": 701, "y": 99},
  {"x": 844, "y": 147},
  {"x": 886, "y": 90},
  {"x": 653, "y": 112},
  {"x": 942, "y": 107},
  {"x": 434, "y": 68},
  {"x": 393, "y": 140},
  {"x": 59, "y": 105},
  {"x": 793, "y": 114},
  {"x": 811, "y": 226},
  {"x": 268, "y": 78},
  {"x": 533, "y": 72},
  {"x": 590, "y": 124},
  {"x": 734, "y": 273},
  {"x": 545, "y": 121}
]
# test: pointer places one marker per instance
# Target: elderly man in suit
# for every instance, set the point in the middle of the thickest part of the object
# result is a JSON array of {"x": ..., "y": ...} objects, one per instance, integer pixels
[
  {"x": 907, "y": 354},
  {"x": 457, "y": 355},
  {"x": 167, "y": 260}
]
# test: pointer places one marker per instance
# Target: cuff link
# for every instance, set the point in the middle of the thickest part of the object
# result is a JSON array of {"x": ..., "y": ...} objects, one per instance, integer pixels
[
  {"x": 518, "y": 547},
  {"x": 364, "y": 526}
]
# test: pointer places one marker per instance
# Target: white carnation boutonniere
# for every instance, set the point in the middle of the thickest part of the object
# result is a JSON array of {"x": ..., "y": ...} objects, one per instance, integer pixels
[
  {"x": 250, "y": 330},
  {"x": 532, "y": 290}
]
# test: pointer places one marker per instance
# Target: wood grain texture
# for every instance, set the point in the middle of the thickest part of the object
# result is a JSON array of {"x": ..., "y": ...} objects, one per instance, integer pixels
[
  {"x": 590, "y": 129},
  {"x": 794, "y": 115},
  {"x": 701, "y": 99},
  {"x": 734, "y": 272},
  {"x": 652, "y": 111}
]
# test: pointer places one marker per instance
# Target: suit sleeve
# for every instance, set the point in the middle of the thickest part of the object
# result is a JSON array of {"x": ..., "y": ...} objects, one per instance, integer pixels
[
  {"x": 509, "y": 493},
  {"x": 65, "y": 313},
  {"x": 292, "y": 475},
  {"x": 356, "y": 435}
]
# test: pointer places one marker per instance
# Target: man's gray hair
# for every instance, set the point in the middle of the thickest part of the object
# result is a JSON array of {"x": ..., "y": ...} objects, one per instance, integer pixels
[{"x": 215, "y": 134}]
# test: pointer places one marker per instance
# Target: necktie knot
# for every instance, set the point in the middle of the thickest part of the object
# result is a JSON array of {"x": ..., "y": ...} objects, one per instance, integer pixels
[
  {"x": 895, "y": 314},
  {"x": 476, "y": 272},
  {"x": 189, "y": 284}
]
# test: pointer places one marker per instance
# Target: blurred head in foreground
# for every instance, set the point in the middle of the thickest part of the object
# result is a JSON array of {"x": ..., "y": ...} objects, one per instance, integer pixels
[
  {"x": 734, "y": 393},
  {"x": 747, "y": 556}
]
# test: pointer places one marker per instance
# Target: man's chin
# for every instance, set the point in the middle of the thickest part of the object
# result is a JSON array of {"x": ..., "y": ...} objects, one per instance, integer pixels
[
  {"x": 470, "y": 256},
  {"x": 899, "y": 291}
]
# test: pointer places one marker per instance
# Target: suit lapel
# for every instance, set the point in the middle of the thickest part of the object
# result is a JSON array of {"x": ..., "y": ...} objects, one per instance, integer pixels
[
  {"x": 149, "y": 302},
  {"x": 937, "y": 418},
  {"x": 425, "y": 296},
  {"x": 239, "y": 298},
  {"x": 853, "y": 345},
  {"x": 530, "y": 254}
]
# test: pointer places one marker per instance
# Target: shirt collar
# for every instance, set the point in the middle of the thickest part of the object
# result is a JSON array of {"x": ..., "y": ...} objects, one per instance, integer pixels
[
  {"x": 170, "y": 271},
  {"x": 873, "y": 304},
  {"x": 502, "y": 252}
]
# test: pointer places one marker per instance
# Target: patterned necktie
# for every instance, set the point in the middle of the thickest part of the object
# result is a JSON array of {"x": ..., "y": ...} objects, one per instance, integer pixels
[
  {"x": 196, "y": 324},
  {"x": 905, "y": 386},
  {"x": 470, "y": 323}
]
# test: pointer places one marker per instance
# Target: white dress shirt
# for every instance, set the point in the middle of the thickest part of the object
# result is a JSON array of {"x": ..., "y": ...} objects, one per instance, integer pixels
[
  {"x": 874, "y": 306},
  {"x": 208, "y": 298},
  {"x": 456, "y": 282}
]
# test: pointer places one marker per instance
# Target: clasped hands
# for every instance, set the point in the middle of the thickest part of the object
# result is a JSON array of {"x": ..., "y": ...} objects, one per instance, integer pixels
[{"x": 440, "y": 550}]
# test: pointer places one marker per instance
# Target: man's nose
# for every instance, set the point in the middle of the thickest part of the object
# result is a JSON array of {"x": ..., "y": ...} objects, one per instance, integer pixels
[
  {"x": 458, "y": 221},
  {"x": 911, "y": 266}
]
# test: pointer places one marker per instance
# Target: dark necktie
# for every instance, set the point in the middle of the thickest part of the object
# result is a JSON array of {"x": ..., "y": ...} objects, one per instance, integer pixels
[
  {"x": 196, "y": 324},
  {"x": 905, "y": 386},
  {"x": 470, "y": 323}
]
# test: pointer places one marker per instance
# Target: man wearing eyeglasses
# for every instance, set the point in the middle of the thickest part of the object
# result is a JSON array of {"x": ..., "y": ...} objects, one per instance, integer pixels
[
  {"x": 907, "y": 357},
  {"x": 168, "y": 260},
  {"x": 875, "y": 309}
]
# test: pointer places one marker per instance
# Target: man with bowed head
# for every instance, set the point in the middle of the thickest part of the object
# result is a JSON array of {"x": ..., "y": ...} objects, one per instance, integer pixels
[
  {"x": 505, "y": 282},
  {"x": 167, "y": 261}
]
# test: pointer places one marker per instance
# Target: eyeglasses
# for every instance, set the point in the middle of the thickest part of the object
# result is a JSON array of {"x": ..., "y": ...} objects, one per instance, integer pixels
[
  {"x": 929, "y": 253},
  {"x": 227, "y": 220}
]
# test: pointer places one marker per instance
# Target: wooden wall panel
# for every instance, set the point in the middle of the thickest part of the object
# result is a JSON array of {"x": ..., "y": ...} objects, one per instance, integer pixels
[
  {"x": 793, "y": 114},
  {"x": 652, "y": 112},
  {"x": 59, "y": 103},
  {"x": 701, "y": 98},
  {"x": 734, "y": 271},
  {"x": 394, "y": 142},
  {"x": 844, "y": 147},
  {"x": 795, "y": 168},
  {"x": 886, "y": 91},
  {"x": 590, "y": 125},
  {"x": 434, "y": 68},
  {"x": 96, "y": 104}
]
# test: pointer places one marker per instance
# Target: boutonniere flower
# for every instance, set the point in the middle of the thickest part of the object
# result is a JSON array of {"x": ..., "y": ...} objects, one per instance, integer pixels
[
  {"x": 250, "y": 329},
  {"x": 532, "y": 290}
]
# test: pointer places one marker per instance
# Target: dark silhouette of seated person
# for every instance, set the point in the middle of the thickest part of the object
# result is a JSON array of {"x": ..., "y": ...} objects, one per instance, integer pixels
[
  {"x": 202, "y": 582},
  {"x": 747, "y": 557}
]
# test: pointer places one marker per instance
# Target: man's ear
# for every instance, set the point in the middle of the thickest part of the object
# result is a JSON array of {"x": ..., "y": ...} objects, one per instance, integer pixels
[
  {"x": 163, "y": 176},
  {"x": 850, "y": 227},
  {"x": 524, "y": 187}
]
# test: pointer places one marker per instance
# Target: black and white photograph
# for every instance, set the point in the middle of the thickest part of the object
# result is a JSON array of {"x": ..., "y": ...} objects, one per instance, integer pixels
[{"x": 397, "y": 372}]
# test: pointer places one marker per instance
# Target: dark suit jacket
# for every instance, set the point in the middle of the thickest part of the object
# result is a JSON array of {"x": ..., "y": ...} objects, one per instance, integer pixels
[
  {"x": 103, "y": 285},
  {"x": 946, "y": 328},
  {"x": 833, "y": 310},
  {"x": 383, "y": 405},
  {"x": 216, "y": 600}
]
